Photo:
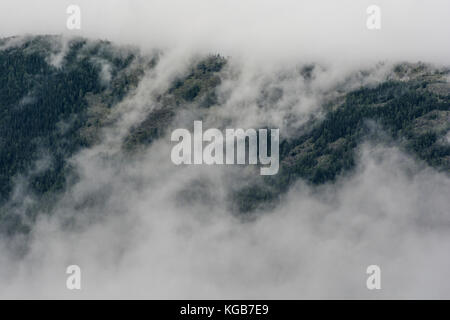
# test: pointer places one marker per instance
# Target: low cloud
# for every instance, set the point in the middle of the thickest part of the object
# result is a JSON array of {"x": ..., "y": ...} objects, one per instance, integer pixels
[
  {"x": 134, "y": 240},
  {"x": 264, "y": 30},
  {"x": 144, "y": 228}
]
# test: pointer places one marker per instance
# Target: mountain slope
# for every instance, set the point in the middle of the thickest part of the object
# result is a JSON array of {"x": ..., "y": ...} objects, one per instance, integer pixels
[{"x": 56, "y": 95}]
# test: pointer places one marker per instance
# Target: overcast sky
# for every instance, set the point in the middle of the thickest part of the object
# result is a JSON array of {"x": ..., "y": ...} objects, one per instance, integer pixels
[{"x": 410, "y": 29}]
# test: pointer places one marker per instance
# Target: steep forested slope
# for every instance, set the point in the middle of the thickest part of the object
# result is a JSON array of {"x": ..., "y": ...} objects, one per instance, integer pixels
[
  {"x": 45, "y": 108},
  {"x": 410, "y": 113},
  {"x": 55, "y": 95}
]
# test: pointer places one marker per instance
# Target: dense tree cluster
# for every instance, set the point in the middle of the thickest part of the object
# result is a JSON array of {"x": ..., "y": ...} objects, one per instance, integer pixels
[
  {"x": 395, "y": 108},
  {"x": 43, "y": 109}
]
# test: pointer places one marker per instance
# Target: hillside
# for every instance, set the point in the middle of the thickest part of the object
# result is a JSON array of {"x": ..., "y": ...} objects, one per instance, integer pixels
[{"x": 56, "y": 95}]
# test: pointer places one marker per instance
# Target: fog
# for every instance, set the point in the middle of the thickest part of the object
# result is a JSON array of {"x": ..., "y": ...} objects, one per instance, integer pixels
[
  {"x": 126, "y": 223},
  {"x": 138, "y": 241},
  {"x": 256, "y": 29}
]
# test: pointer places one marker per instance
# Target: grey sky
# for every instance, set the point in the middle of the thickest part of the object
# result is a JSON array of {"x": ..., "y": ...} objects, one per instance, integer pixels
[{"x": 410, "y": 29}]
